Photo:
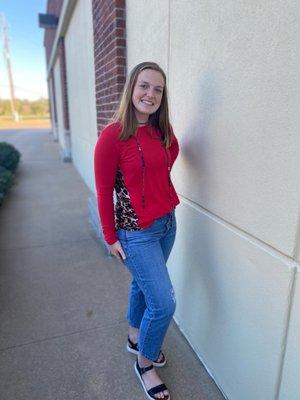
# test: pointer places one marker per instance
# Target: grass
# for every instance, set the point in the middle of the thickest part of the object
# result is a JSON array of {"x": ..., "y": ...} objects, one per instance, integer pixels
[{"x": 8, "y": 123}]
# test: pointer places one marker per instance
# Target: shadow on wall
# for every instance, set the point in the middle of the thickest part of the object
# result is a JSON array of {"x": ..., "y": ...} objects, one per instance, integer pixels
[
  {"x": 201, "y": 294},
  {"x": 193, "y": 143}
]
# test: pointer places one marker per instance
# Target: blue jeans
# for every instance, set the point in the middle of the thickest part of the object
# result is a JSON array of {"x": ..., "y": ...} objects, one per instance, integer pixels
[{"x": 152, "y": 301}]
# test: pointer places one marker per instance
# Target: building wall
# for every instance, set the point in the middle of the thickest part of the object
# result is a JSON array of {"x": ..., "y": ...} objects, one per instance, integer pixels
[
  {"x": 55, "y": 54},
  {"x": 52, "y": 103},
  {"x": 233, "y": 83},
  {"x": 234, "y": 109},
  {"x": 59, "y": 104},
  {"x": 147, "y": 42},
  {"x": 79, "y": 53},
  {"x": 64, "y": 82},
  {"x": 54, "y": 8}
]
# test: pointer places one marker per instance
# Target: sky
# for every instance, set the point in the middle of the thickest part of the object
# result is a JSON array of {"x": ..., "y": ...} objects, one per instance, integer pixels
[{"x": 26, "y": 49}]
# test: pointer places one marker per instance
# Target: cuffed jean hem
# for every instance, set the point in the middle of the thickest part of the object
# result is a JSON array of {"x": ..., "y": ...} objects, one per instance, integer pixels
[
  {"x": 148, "y": 357},
  {"x": 132, "y": 324}
]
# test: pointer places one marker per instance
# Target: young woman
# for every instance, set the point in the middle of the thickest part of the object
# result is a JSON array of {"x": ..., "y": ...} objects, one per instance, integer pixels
[{"x": 134, "y": 156}]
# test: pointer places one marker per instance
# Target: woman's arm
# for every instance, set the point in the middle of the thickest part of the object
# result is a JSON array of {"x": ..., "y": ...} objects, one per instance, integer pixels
[
  {"x": 106, "y": 157},
  {"x": 174, "y": 149}
]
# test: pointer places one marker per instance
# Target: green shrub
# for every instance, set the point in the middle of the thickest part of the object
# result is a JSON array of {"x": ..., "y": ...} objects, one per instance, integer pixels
[
  {"x": 6, "y": 180},
  {"x": 9, "y": 156},
  {"x": 9, "y": 159}
]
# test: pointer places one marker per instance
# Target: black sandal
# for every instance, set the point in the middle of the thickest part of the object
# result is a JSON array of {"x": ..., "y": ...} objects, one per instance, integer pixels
[
  {"x": 133, "y": 348},
  {"x": 153, "y": 391}
]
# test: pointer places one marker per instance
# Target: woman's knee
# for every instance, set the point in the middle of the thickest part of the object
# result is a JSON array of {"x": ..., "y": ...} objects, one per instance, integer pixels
[{"x": 167, "y": 306}]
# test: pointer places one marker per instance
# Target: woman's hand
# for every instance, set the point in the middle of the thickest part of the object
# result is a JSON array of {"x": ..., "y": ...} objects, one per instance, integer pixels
[{"x": 117, "y": 251}]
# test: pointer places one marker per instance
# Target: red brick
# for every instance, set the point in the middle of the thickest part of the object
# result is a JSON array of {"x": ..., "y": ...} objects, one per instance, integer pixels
[
  {"x": 109, "y": 56},
  {"x": 120, "y": 4},
  {"x": 120, "y": 23},
  {"x": 120, "y": 13}
]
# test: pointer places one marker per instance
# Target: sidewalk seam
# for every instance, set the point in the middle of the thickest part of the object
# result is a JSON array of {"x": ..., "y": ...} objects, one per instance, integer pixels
[
  {"x": 62, "y": 336},
  {"x": 46, "y": 245}
]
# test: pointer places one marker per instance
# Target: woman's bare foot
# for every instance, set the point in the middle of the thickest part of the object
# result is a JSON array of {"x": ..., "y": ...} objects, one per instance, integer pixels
[{"x": 150, "y": 378}]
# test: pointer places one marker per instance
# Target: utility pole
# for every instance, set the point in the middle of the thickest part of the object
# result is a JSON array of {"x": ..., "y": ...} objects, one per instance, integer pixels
[{"x": 6, "y": 53}]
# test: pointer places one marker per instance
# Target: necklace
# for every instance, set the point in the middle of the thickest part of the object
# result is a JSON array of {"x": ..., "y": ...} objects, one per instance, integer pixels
[
  {"x": 143, "y": 169},
  {"x": 168, "y": 165}
]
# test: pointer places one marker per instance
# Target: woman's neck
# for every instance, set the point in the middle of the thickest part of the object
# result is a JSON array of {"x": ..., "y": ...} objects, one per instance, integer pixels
[
  {"x": 141, "y": 119},
  {"x": 142, "y": 123}
]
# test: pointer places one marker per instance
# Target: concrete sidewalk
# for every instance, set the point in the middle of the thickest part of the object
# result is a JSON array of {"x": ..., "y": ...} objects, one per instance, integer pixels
[{"x": 63, "y": 300}]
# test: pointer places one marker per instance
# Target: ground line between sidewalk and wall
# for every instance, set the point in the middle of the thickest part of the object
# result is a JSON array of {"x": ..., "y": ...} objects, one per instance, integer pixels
[
  {"x": 203, "y": 362},
  {"x": 286, "y": 332}
]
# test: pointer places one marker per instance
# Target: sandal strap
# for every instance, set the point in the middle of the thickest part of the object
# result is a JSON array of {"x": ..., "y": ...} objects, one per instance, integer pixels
[
  {"x": 163, "y": 357},
  {"x": 134, "y": 346},
  {"x": 156, "y": 389},
  {"x": 143, "y": 370}
]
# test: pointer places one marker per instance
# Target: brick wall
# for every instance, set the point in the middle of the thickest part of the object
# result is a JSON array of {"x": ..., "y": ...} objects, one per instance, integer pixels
[{"x": 109, "y": 55}]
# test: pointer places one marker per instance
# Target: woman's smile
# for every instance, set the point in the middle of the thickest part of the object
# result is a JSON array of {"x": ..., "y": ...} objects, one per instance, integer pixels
[{"x": 147, "y": 102}]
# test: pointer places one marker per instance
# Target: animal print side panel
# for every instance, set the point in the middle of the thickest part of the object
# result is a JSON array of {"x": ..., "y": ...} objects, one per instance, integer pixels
[{"x": 126, "y": 217}]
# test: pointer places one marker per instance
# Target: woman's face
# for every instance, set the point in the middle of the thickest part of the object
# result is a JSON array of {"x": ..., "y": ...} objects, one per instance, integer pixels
[{"x": 147, "y": 93}]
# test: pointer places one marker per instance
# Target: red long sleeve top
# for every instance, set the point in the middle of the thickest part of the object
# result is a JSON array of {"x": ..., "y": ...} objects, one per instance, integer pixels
[{"x": 138, "y": 169}]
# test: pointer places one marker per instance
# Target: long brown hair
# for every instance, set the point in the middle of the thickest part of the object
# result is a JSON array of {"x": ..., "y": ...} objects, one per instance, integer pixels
[{"x": 125, "y": 113}]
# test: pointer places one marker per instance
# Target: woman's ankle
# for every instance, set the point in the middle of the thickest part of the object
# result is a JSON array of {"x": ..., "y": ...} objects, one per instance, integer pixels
[
  {"x": 133, "y": 334},
  {"x": 143, "y": 361}
]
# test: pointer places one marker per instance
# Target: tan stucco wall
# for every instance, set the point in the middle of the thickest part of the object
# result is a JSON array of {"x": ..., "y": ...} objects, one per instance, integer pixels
[
  {"x": 81, "y": 89},
  {"x": 147, "y": 41},
  {"x": 234, "y": 95},
  {"x": 238, "y": 120}
]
